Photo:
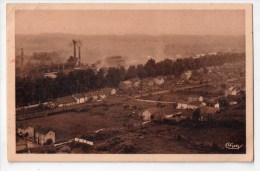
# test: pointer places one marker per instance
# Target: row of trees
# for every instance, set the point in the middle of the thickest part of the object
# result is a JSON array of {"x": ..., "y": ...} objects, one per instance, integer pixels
[{"x": 29, "y": 90}]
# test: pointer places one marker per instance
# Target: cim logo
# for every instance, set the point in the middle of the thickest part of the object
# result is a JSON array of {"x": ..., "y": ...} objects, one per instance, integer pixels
[{"x": 232, "y": 146}]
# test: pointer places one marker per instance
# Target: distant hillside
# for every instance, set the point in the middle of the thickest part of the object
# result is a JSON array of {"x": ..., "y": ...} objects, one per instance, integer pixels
[{"x": 135, "y": 48}]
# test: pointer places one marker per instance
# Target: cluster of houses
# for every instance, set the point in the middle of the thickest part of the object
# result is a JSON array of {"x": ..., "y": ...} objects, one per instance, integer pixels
[
  {"x": 143, "y": 84},
  {"x": 77, "y": 99},
  {"x": 207, "y": 107},
  {"x": 74, "y": 99},
  {"x": 39, "y": 135}
]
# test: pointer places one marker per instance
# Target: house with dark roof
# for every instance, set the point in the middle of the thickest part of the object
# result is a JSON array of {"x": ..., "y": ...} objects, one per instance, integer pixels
[{"x": 44, "y": 136}]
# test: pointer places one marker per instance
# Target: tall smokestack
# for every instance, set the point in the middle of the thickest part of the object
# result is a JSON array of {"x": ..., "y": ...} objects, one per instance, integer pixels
[
  {"x": 79, "y": 56},
  {"x": 22, "y": 58},
  {"x": 74, "y": 44}
]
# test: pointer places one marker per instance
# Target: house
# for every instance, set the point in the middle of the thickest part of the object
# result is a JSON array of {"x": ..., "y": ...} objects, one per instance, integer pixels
[
  {"x": 52, "y": 75},
  {"x": 207, "y": 113},
  {"x": 186, "y": 75},
  {"x": 182, "y": 105},
  {"x": 232, "y": 103},
  {"x": 94, "y": 97},
  {"x": 44, "y": 136},
  {"x": 195, "y": 98},
  {"x": 113, "y": 91},
  {"x": 158, "y": 81},
  {"x": 30, "y": 132},
  {"x": 195, "y": 104},
  {"x": 147, "y": 115},
  {"x": 80, "y": 140},
  {"x": 21, "y": 130},
  {"x": 49, "y": 105},
  {"x": 179, "y": 116},
  {"x": 26, "y": 131},
  {"x": 190, "y": 105},
  {"x": 232, "y": 92},
  {"x": 66, "y": 101},
  {"x": 80, "y": 98},
  {"x": 153, "y": 114},
  {"x": 124, "y": 85},
  {"x": 146, "y": 82},
  {"x": 102, "y": 96},
  {"x": 136, "y": 82}
]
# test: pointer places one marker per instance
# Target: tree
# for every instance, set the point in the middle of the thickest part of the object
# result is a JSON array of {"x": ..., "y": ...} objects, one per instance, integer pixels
[
  {"x": 150, "y": 67},
  {"x": 131, "y": 72},
  {"x": 113, "y": 77},
  {"x": 100, "y": 78},
  {"x": 141, "y": 71}
]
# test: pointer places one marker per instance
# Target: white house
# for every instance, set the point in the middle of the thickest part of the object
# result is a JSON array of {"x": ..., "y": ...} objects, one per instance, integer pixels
[
  {"x": 148, "y": 114},
  {"x": 26, "y": 130},
  {"x": 216, "y": 105},
  {"x": 233, "y": 103},
  {"x": 43, "y": 136},
  {"x": 182, "y": 105},
  {"x": 113, "y": 91},
  {"x": 190, "y": 105},
  {"x": 80, "y": 98}
]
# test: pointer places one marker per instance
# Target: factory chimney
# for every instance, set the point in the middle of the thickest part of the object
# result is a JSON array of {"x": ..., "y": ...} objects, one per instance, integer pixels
[
  {"x": 22, "y": 59},
  {"x": 79, "y": 63},
  {"x": 74, "y": 44}
]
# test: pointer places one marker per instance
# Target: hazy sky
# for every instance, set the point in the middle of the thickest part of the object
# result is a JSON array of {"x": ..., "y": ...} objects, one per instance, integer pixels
[{"x": 151, "y": 22}]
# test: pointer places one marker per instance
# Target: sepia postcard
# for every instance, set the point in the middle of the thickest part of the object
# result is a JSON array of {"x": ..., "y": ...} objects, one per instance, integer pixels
[{"x": 130, "y": 82}]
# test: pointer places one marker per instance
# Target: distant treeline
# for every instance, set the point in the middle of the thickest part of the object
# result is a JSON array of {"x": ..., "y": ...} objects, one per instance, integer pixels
[{"x": 30, "y": 90}]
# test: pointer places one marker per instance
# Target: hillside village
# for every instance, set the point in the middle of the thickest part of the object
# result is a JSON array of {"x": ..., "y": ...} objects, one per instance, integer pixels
[{"x": 178, "y": 113}]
